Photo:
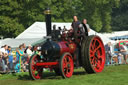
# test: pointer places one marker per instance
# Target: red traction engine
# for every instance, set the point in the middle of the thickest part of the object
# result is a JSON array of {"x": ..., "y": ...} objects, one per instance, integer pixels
[{"x": 62, "y": 53}]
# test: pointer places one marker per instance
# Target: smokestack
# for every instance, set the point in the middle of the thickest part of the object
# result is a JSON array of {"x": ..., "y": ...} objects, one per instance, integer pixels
[{"x": 48, "y": 21}]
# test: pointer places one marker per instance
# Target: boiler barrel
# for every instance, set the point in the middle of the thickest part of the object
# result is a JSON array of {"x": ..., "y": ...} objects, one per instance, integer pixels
[{"x": 52, "y": 48}]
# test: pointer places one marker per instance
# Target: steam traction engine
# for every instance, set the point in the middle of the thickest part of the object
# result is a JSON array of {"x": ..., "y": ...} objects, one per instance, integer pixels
[{"x": 62, "y": 53}]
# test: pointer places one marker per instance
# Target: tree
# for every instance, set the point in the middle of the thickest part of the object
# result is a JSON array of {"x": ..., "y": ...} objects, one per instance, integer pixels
[
  {"x": 9, "y": 23},
  {"x": 10, "y": 27},
  {"x": 120, "y": 16},
  {"x": 98, "y": 13}
]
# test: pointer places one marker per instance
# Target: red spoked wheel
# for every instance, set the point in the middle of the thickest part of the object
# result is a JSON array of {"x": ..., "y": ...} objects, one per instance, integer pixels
[
  {"x": 35, "y": 71},
  {"x": 66, "y": 65},
  {"x": 93, "y": 54}
]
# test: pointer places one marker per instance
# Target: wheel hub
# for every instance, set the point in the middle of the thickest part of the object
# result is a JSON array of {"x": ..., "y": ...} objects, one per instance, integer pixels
[{"x": 68, "y": 65}]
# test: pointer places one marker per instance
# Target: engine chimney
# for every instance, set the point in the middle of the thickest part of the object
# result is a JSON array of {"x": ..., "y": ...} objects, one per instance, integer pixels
[{"x": 48, "y": 21}]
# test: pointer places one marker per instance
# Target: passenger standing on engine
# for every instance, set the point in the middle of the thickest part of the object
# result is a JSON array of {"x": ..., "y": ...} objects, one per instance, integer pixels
[{"x": 86, "y": 27}]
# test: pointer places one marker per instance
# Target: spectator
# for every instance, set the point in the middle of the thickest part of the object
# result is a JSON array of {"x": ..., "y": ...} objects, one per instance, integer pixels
[
  {"x": 108, "y": 53},
  {"x": 23, "y": 47},
  {"x": 17, "y": 55},
  {"x": 4, "y": 57},
  {"x": 10, "y": 58},
  {"x": 29, "y": 51},
  {"x": 116, "y": 55},
  {"x": 20, "y": 56},
  {"x": 124, "y": 51},
  {"x": 119, "y": 55},
  {"x": 35, "y": 51},
  {"x": 120, "y": 58},
  {"x": 0, "y": 61}
]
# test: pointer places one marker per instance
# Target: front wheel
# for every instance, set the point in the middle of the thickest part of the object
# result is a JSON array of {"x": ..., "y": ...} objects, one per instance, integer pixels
[
  {"x": 66, "y": 65},
  {"x": 35, "y": 72}
]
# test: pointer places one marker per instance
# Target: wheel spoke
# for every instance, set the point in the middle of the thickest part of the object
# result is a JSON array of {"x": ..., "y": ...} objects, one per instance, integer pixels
[
  {"x": 94, "y": 44},
  {"x": 92, "y": 54},
  {"x": 98, "y": 65},
  {"x": 92, "y": 61},
  {"x": 99, "y": 57},
  {"x": 97, "y": 48},
  {"x": 65, "y": 65},
  {"x": 67, "y": 71}
]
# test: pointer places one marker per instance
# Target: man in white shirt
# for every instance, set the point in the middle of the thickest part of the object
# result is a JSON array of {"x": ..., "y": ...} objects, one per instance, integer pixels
[
  {"x": 4, "y": 50},
  {"x": 86, "y": 27},
  {"x": 4, "y": 57},
  {"x": 29, "y": 51}
]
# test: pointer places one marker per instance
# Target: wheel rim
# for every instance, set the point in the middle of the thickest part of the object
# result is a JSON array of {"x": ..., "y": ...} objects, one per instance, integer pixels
[
  {"x": 36, "y": 71},
  {"x": 67, "y": 66},
  {"x": 97, "y": 54}
]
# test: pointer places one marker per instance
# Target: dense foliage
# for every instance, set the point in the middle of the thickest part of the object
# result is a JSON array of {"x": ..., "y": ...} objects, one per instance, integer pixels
[
  {"x": 120, "y": 16},
  {"x": 17, "y": 15}
]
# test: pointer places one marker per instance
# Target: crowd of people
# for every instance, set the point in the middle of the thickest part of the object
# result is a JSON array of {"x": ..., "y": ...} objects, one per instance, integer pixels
[
  {"x": 17, "y": 60},
  {"x": 116, "y": 54}
]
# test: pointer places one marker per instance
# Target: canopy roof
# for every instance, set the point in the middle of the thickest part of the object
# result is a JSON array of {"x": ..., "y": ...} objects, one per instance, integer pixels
[{"x": 16, "y": 42}]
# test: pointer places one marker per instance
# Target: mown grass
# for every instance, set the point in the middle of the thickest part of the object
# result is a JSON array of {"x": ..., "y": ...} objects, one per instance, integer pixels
[{"x": 111, "y": 75}]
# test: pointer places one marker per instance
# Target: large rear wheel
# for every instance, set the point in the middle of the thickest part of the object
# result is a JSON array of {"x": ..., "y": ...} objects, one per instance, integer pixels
[
  {"x": 93, "y": 54},
  {"x": 35, "y": 71},
  {"x": 66, "y": 65}
]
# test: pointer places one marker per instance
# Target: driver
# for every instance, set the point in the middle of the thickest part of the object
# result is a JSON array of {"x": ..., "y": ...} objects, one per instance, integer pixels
[
  {"x": 75, "y": 25},
  {"x": 78, "y": 30}
]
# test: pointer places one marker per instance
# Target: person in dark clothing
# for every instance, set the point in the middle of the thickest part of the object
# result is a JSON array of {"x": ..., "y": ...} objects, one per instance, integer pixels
[
  {"x": 76, "y": 31},
  {"x": 56, "y": 33},
  {"x": 75, "y": 24},
  {"x": 10, "y": 58}
]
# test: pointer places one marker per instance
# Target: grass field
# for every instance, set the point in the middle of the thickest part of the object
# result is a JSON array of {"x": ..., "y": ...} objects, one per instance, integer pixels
[{"x": 112, "y": 75}]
